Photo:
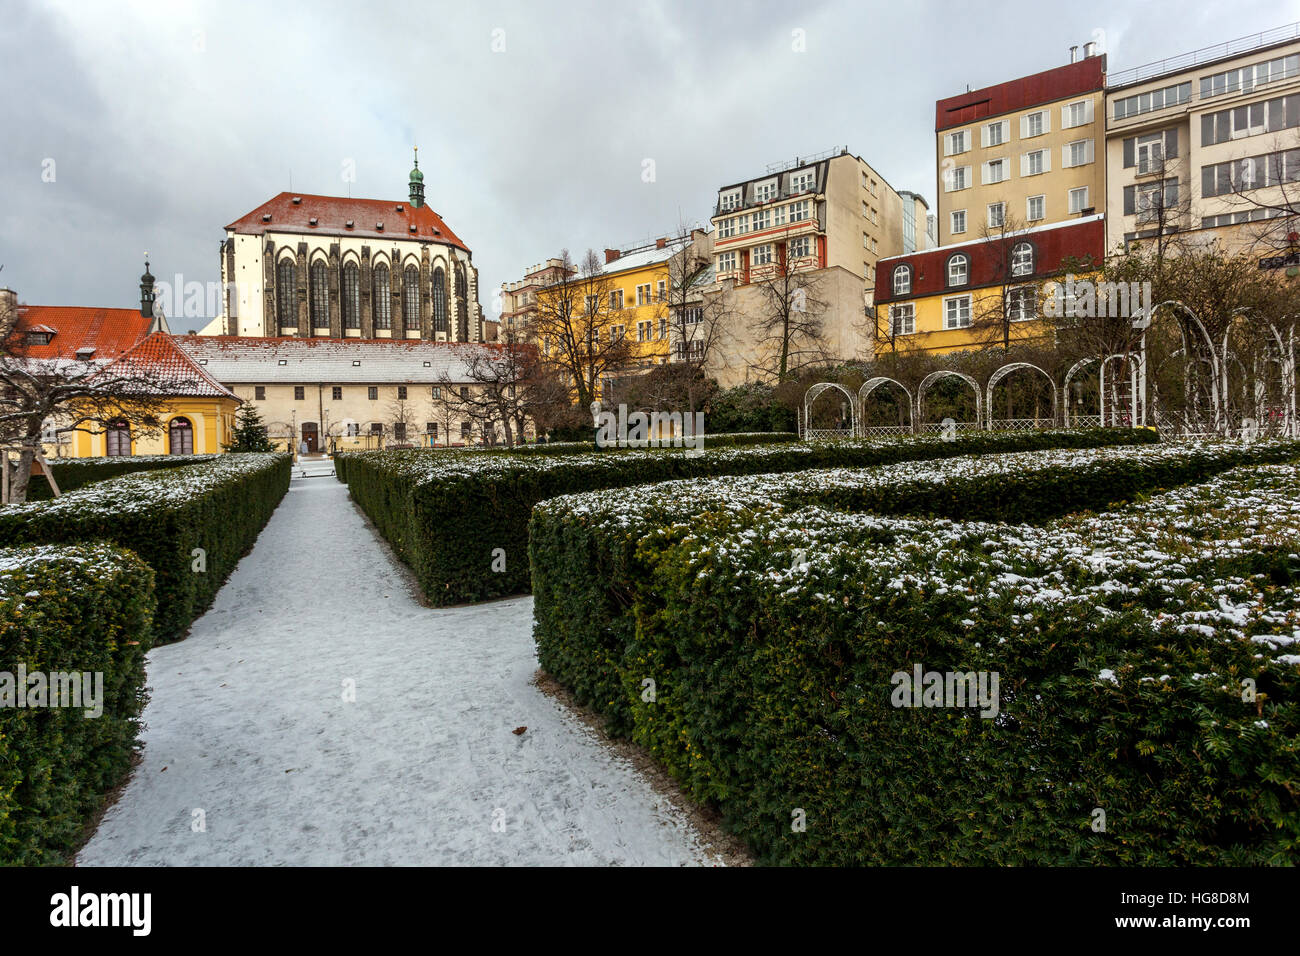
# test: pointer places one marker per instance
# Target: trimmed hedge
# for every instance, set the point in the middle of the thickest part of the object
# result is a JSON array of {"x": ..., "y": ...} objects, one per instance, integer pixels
[
  {"x": 74, "y": 473},
  {"x": 219, "y": 506},
  {"x": 83, "y": 609},
  {"x": 773, "y": 634},
  {"x": 447, "y": 516}
]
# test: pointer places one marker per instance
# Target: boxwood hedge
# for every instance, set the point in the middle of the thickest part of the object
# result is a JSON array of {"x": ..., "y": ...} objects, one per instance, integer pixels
[
  {"x": 65, "y": 609},
  {"x": 74, "y": 473},
  {"x": 454, "y": 519},
  {"x": 772, "y": 631},
  {"x": 217, "y": 506}
]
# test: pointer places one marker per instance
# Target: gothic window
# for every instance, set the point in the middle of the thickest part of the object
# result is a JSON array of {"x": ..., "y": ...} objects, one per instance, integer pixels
[
  {"x": 320, "y": 295},
  {"x": 411, "y": 297},
  {"x": 383, "y": 302},
  {"x": 351, "y": 296},
  {"x": 462, "y": 305},
  {"x": 286, "y": 297},
  {"x": 439, "y": 300}
]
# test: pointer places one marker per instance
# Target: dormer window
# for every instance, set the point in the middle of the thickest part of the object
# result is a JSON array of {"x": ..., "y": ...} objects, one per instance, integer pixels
[
  {"x": 85, "y": 353},
  {"x": 398, "y": 207},
  {"x": 349, "y": 224},
  {"x": 297, "y": 200},
  {"x": 803, "y": 182},
  {"x": 266, "y": 217},
  {"x": 765, "y": 191},
  {"x": 902, "y": 280},
  {"x": 958, "y": 269},
  {"x": 379, "y": 227},
  {"x": 1022, "y": 259},
  {"x": 37, "y": 338},
  {"x": 311, "y": 221},
  {"x": 729, "y": 200}
]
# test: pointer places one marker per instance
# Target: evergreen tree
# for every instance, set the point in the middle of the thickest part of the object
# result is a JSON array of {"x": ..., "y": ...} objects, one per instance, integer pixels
[{"x": 250, "y": 432}]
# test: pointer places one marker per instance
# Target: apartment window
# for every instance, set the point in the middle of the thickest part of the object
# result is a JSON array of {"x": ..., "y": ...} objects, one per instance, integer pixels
[
  {"x": 616, "y": 299},
  {"x": 995, "y": 171},
  {"x": 1151, "y": 202},
  {"x": 956, "y": 312},
  {"x": 661, "y": 290},
  {"x": 765, "y": 192},
  {"x": 729, "y": 200},
  {"x": 902, "y": 280},
  {"x": 336, "y": 393},
  {"x": 259, "y": 393},
  {"x": 399, "y": 431},
  {"x": 1250, "y": 215},
  {"x": 1076, "y": 114},
  {"x": 762, "y": 255},
  {"x": 957, "y": 222},
  {"x": 866, "y": 241},
  {"x": 1139, "y": 103},
  {"x": 1246, "y": 78},
  {"x": 431, "y": 429},
  {"x": 1079, "y": 199},
  {"x": 352, "y": 429},
  {"x": 1031, "y": 164},
  {"x": 778, "y": 215},
  {"x": 902, "y": 318},
  {"x": 372, "y": 393},
  {"x": 997, "y": 215},
  {"x": 693, "y": 315},
  {"x": 803, "y": 182},
  {"x": 1150, "y": 152},
  {"x": 994, "y": 134},
  {"x": 800, "y": 211},
  {"x": 727, "y": 227},
  {"x": 958, "y": 178},
  {"x": 1253, "y": 172},
  {"x": 1282, "y": 112},
  {"x": 1078, "y": 153},
  {"x": 726, "y": 262},
  {"x": 1035, "y": 124},
  {"x": 591, "y": 304},
  {"x": 1022, "y": 259},
  {"x": 958, "y": 269},
  {"x": 1022, "y": 303},
  {"x": 401, "y": 392},
  {"x": 866, "y": 210},
  {"x": 663, "y": 329},
  {"x": 762, "y": 220},
  {"x": 643, "y": 294},
  {"x": 644, "y": 330},
  {"x": 800, "y": 248},
  {"x": 958, "y": 142},
  {"x": 1035, "y": 208},
  {"x": 299, "y": 393},
  {"x": 435, "y": 392}
]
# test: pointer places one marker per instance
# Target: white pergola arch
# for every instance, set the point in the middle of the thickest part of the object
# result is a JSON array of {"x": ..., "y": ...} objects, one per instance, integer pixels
[
  {"x": 1077, "y": 367},
  {"x": 871, "y": 384},
  {"x": 933, "y": 377},
  {"x": 1001, "y": 373},
  {"x": 811, "y": 396}
]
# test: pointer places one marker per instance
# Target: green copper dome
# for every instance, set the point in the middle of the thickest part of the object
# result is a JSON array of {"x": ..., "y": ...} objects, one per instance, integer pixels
[{"x": 416, "y": 175}]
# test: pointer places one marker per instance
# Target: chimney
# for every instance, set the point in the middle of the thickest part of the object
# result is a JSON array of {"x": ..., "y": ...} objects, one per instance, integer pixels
[
  {"x": 8, "y": 301},
  {"x": 611, "y": 255},
  {"x": 1089, "y": 50},
  {"x": 661, "y": 243},
  {"x": 1074, "y": 54}
]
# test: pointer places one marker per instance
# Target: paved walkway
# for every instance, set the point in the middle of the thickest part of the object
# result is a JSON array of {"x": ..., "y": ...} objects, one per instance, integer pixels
[{"x": 253, "y": 756}]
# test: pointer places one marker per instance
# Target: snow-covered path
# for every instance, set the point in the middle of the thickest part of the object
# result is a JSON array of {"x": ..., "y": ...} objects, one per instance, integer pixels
[{"x": 253, "y": 756}]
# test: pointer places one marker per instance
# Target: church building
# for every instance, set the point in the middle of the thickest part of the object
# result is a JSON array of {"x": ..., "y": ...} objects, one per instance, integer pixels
[{"x": 331, "y": 267}]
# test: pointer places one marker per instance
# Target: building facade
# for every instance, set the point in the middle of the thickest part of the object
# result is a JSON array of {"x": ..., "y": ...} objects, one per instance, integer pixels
[
  {"x": 1205, "y": 144},
  {"x": 1027, "y": 152},
  {"x": 331, "y": 267}
]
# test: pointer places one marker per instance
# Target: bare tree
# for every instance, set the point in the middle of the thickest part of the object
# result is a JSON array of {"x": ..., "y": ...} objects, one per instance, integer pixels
[
  {"x": 1263, "y": 189},
  {"x": 574, "y": 322},
  {"x": 402, "y": 418},
  {"x": 46, "y": 393},
  {"x": 697, "y": 318},
  {"x": 789, "y": 320},
  {"x": 505, "y": 387}
]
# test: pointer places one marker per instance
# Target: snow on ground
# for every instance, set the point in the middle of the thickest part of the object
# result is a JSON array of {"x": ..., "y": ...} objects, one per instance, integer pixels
[{"x": 248, "y": 724}]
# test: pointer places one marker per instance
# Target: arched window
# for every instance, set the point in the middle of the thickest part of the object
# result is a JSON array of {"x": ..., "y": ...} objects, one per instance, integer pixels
[
  {"x": 118, "y": 439},
  {"x": 958, "y": 269},
  {"x": 320, "y": 295},
  {"x": 902, "y": 280},
  {"x": 180, "y": 437},
  {"x": 1022, "y": 259},
  {"x": 286, "y": 293},
  {"x": 462, "y": 305},
  {"x": 351, "y": 296},
  {"x": 383, "y": 307},
  {"x": 439, "y": 300},
  {"x": 411, "y": 297},
  {"x": 462, "y": 289}
]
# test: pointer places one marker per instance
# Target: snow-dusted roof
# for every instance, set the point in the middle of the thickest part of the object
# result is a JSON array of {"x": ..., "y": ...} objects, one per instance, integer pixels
[
  {"x": 234, "y": 360},
  {"x": 641, "y": 258}
]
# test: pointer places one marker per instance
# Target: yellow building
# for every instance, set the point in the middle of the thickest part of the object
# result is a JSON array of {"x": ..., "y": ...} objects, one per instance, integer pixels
[
  {"x": 955, "y": 297},
  {"x": 1028, "y": 152}
]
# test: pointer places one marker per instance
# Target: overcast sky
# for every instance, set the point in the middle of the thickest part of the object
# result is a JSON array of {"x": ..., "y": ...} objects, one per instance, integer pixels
[{"x": 159, "y": 123}]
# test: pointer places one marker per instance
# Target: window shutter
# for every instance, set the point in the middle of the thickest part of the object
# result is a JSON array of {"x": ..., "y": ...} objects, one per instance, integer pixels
[
  {"x": 1130, "y": 201},
  {"x": 984, "y": 135},
  {"x": 1088, "y": 156},
  {"x": 1065, "y": 156},
  {"x": 1171, "y": 143},
  {"x": 1006, "y": 128},
  {"x": 1047, "y": 160},
  {"x": 1024, "y": 164},
  {"x": 1087, "y": 111},
  {"x": 1130, "y": 153},
  {"x": 1024, "y": 127},
  {"x": 1047, "y": 121},
  {"x": 947, "y": 144}
]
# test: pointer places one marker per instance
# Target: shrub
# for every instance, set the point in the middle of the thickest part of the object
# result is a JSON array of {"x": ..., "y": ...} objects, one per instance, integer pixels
[
  {"x": 218, "y": 506},
  {"x": 772, "y": 630},
  {"x": 81, "y": 608},
  {"x": 74, "y": 473},
  {"x": 447, "y": 516}
]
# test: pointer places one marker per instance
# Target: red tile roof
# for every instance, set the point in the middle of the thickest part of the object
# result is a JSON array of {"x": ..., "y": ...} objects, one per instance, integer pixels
[
  {"x": 332, "y": 214},
  {"x": 165, "y": 362},
  {"x": 1082, "y": 76},
  {"x": 110, "y": 332}
]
